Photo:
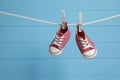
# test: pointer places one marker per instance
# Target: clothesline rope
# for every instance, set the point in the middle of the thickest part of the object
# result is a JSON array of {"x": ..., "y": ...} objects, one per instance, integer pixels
[
  {"x": 100, "y": 20},
  {"x": 53, "y": 23},
  {"x": 104, "y": 19},
  {"x": 29, "y": 18}
]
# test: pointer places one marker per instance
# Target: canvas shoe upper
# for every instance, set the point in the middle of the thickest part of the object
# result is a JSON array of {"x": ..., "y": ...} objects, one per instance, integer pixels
[
  {"x": 60, "y": 40},
  {"x": 85, "y": 44}
]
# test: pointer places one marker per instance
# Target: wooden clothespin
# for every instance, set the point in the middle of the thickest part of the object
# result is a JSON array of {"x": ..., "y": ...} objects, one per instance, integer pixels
[
  {"x": 80, "y": 22},
  {"x": 63, "y": 19}
]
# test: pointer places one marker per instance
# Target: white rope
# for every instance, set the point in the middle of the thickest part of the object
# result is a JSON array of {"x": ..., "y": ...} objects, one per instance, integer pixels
[
  {"x": 104, "y": 19},
  {"x": 29, "y": 18},
  {"x": 44, "y": 21},
  {"x": 101, "y": 20}
]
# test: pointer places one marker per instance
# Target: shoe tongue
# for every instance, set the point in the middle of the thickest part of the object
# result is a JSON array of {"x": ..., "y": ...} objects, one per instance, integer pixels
[
  {"x": 59, "y": 34},
  {"x": 81, "y": 34}
]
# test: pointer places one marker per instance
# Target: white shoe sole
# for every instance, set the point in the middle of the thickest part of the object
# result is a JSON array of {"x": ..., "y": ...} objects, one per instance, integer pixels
[
  {"x": 90, "y": 57},
  {"x": 56, "y": 54}
]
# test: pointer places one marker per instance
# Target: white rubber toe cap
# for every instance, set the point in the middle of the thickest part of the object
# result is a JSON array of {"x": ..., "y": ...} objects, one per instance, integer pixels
[
  {"x": 55, "y": 51},
  {"x": 90, "y": 54}
]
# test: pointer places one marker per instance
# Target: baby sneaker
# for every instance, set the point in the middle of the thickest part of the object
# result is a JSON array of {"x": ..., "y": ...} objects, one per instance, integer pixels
[
  {"x": 62, "y": 36},
  {"x": 85, "y": 45}
]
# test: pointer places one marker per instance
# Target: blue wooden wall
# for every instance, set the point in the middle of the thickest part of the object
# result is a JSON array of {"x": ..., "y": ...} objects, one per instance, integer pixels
[{"x": 24, "y": 44}]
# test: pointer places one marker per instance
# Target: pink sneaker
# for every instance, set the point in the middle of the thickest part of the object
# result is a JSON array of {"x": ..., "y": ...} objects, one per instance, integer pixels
[
  {"x": 61, "y": 38},
  {"x": 85, "y": 45}
]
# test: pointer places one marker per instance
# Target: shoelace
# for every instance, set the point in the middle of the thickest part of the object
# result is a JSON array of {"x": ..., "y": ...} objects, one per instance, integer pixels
[
  {"x": 58, "y": 40},
  {"x": 85, "y": 43}
]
